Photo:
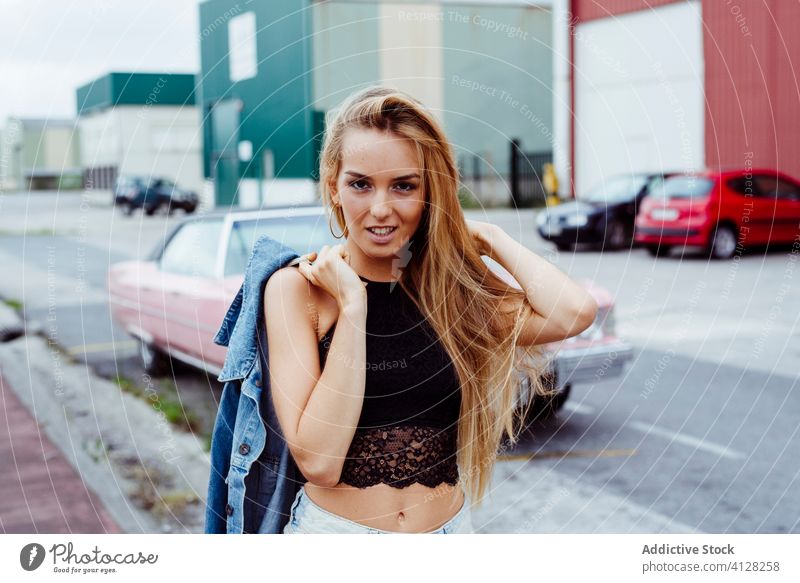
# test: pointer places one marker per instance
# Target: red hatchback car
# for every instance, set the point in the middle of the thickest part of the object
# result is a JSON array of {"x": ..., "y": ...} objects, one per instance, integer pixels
[{"x": 720, "y": 212}]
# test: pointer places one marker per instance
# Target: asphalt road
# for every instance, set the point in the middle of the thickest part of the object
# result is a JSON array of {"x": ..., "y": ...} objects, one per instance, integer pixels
[{"x": 701, "y": 430}]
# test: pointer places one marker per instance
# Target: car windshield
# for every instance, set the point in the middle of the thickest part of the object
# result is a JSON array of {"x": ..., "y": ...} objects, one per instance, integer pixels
[
  {"x": 616, "y": 189},
  {"x": 302, "y": 233},
  {"x": 192, "y": 250},
  {"x": 688, "y": 186}
]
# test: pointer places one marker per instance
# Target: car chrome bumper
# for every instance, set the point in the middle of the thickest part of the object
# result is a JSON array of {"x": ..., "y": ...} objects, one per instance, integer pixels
[{"x": 589, "y": 364}]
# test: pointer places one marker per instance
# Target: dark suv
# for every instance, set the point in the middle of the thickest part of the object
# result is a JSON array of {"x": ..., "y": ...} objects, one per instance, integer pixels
[{"x": 150, "y": 194}]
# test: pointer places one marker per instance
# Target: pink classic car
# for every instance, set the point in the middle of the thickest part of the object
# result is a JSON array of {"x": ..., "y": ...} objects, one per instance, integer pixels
[{"x": 174, "y": 301}]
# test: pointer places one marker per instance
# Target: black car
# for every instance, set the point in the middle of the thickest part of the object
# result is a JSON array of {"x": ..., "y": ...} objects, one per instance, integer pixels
[
  {"x": 127, "y": 187},
  {"x": 605, "y": 215},
  {"x": 150, "y": 194}
]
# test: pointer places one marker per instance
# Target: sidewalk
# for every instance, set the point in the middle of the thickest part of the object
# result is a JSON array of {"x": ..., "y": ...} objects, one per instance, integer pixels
[
  {"x": 42, "y": 493},
  {"x": 132, "y": 464}
]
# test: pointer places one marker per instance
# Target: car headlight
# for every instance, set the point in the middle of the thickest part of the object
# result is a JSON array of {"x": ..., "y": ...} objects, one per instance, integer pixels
[
  {"x": 577, "y": 220},
  {"x": 542, "y": 217}
]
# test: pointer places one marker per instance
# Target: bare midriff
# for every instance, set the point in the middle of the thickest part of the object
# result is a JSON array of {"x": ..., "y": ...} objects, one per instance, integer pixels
[{"x": 415, "y": 508}]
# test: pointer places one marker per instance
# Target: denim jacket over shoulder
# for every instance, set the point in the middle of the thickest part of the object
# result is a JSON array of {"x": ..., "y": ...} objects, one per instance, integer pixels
[{"x": 254, "y": 478}]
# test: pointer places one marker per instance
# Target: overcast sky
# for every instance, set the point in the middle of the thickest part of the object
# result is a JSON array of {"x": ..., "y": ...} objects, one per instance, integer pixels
[{"x": 48, "y": 48}]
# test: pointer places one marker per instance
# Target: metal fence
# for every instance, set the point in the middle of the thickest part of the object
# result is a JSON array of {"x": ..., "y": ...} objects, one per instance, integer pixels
[{"x": 527, "y": 170}]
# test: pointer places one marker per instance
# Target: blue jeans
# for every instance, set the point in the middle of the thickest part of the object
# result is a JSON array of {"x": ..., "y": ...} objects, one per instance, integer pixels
[{"x": 308, "y": 517}]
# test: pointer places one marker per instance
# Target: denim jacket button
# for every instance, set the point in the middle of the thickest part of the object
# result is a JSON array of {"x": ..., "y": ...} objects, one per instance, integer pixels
[
  {"x": 228, "y": 509},
  {"x": 244, "y": 449},
  {"x": 258, "y": 382}
]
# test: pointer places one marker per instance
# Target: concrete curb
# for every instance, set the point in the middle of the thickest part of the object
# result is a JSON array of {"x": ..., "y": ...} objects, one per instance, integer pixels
[{"x": 11, "y": 325}]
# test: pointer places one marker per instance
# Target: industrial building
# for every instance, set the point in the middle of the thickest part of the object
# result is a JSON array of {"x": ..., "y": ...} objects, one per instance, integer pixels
[
  {"x": 39, "y": 154},
  {"x": 144, "y": 124},
  {"x": 270, "y": 71}
]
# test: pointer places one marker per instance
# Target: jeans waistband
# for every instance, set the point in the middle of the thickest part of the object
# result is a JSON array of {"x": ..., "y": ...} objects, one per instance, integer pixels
[{"x": 303, "y": 500}]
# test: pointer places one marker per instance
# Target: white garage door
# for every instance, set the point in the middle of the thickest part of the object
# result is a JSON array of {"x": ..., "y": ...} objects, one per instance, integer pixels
[{"x": 639, "y": 93}]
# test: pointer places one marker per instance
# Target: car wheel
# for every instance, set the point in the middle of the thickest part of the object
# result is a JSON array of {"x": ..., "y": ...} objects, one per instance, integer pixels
[
  {"x": 722, "y": 244},
  {"x": 564, "y": 246},
  {"x": 658, "y": 250},
  {"x": 154, "y": 361},
  {"x": 191, "y": 208},
  {"x": 615, "y": 237},
  {"x": 543, "y": 408},
  {"x": 546, "y": 407},
  {"x": 150, "y": 210}
]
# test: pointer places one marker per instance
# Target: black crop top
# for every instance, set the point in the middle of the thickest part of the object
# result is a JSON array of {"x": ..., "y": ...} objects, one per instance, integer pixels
[{"x": 408, "y": 425}]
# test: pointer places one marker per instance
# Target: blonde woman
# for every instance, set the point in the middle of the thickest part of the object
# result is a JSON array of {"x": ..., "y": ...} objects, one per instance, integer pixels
[{"x": 395, "y": 356}]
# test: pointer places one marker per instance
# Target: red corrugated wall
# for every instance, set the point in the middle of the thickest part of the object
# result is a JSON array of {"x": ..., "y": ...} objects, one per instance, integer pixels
[{"x": 752, "y": 79}]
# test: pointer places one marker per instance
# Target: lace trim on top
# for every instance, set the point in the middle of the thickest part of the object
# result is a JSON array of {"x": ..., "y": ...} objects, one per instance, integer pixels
[{"x": 400, "y": 455}]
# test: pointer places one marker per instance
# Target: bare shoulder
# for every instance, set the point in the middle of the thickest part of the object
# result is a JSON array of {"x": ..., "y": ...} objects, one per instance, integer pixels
[
  {"x": 288, "y": 290},
  {"x": 285, "y": 284},
  {"x": 287, "y": 277}
]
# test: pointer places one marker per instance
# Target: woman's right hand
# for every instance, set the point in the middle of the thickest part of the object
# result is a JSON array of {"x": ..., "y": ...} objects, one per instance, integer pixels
[{"x": 329, "y": 269}]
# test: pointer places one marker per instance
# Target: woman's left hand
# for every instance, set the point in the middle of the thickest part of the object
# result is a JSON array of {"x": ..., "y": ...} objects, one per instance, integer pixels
[{"x": 483, "y": 234}]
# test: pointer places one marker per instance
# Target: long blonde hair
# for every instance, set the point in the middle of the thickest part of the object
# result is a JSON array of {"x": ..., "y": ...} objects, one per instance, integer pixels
[{"x": 451, "y": 285}]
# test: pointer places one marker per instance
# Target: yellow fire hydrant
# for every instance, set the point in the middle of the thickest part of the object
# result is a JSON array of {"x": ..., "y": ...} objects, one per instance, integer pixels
[{"x": 550, "y": 183}]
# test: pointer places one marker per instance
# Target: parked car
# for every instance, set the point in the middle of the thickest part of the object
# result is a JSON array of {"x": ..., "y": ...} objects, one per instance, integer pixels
[
  {"x": 127, "y": 187},
  {"x": 174, "y": 301},
  {"x": 150, "y": 194},
  {"x": 595, "y": 354},
  {"x": 605, "y": 215},
  {"x": 720, "y": 212}
]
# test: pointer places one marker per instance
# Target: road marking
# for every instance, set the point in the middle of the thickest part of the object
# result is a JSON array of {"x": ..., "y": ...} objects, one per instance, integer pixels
[
  {"x": 563, "y": 454},
  {"x": 708, "y": 446},
  {"x": 102, "y": 347},
  {"x": 578, "y": 408}
]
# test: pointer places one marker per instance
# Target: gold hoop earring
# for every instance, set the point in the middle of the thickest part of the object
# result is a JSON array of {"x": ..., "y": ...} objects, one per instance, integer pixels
[{"x": 330, "y": 226}]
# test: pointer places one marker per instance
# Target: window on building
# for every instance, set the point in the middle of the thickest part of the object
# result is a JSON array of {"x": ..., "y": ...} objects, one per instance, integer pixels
[{"x": 242, "y": 54}]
